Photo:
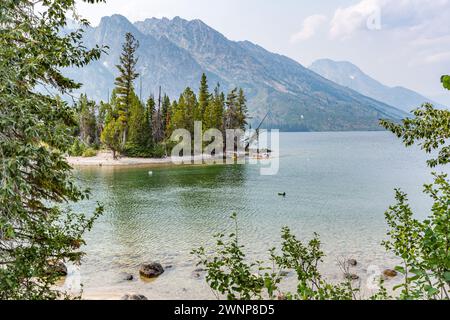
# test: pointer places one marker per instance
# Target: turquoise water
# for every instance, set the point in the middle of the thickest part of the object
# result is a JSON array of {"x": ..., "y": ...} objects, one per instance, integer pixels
[{"x": 338, "y": 185}]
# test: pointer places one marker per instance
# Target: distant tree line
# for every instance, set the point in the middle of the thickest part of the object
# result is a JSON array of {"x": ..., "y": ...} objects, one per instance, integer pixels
[{"x": 131, "y": 127}]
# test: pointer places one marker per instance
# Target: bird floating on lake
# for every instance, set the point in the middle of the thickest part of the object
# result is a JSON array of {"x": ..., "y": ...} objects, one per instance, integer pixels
[{"x": 282, "y": 194}]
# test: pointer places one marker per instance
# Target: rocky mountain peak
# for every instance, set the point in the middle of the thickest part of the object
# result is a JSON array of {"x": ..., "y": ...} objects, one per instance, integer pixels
[{"x": 174, "y": 53}]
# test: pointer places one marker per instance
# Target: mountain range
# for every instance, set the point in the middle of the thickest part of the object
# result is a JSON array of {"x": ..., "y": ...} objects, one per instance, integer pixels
[
  {"x": 348, "y": 75},
  {"x": 174, "y": 53}
]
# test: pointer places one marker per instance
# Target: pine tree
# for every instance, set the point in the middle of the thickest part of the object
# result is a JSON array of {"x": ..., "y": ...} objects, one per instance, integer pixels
[
  {"x": 191, "y": 106},
  {"x": 124, "y": 83},
  {"x": 179, "y": 116},
  {"x": 219, "y": 109},
  {"x": 236, "y": 110},
  {"x": 103, "y": 111},
  {"x": 183, "y": 117},
  {"x": 109, "y": 110},
  {"x": 170, "y": 121},
  {"x": 214, "y": 112},
  {"x": 231, "y": 114},
  {"x": 165, "y": 114},
  {"x": 87, "y": 120},
  {"x": 139, "y": 130},
  {"x": 150, "y": 109},
  {"x": 112, "y": 132},
  {"x": 203, "y": 99},
  {"x": 241, "y": 110},
  {"x": 157, "y": 125}
]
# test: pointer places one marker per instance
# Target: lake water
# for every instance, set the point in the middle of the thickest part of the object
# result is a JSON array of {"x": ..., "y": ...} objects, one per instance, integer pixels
[{"x": 337, "y": 184}]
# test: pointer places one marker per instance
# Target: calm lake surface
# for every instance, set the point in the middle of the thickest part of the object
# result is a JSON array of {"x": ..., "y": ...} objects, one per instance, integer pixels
[{"x": 338, "y": 185}]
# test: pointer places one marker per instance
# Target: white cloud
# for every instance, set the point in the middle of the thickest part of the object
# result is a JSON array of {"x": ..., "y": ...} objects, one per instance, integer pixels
[
  {"x": 410, "y": 46},
  {"x": 309, "y": 28},
  {"x": 411, "y": 15},
  {"x": 353, "y": 18}
]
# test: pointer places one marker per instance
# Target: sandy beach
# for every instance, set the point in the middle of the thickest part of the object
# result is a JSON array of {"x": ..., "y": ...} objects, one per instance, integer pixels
[{"x": 106, "y": 159}]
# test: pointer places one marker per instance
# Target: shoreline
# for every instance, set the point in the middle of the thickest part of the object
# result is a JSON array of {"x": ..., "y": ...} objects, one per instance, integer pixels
[{"x": 105, "y": 159}]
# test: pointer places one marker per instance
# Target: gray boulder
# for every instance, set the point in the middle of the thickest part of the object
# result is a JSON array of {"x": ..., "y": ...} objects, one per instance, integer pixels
[
  {"x": 352, "y": 262},
  {"x": 138, "y": 297},
  {"x": 151, "y": 270}
]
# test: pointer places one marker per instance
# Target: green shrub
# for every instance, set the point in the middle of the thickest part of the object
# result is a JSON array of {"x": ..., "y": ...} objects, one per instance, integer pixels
[
  {"x": 423, "y": 246},
  {"x": 96, "y": 146},
  {"x": 77, "y": 149},
  {"x": 230, "y": 274},
  {"x": 137, "y": 151},
  {"x": 89, "y": 152},
  {"x": 159, "y": 151}
]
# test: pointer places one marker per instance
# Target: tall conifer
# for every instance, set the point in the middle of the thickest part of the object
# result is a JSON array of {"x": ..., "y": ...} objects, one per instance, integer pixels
[
  {"x": 203, "y": 99},
  {"x": 124, "y": 82}
]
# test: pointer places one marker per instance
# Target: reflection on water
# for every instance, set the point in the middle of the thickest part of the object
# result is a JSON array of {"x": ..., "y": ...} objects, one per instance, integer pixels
[{"x": 337, "y": 184}]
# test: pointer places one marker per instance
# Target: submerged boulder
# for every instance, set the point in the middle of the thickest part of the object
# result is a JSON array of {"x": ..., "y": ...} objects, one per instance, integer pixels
[
  {"x": 389, "y": 273},
  {"x": 57, "y": 268},
  {"x": 139, "y": 297},
  {"x": 151, "y": 270},
  {"x": 351, "y": 277},
  {"x": 352, "y": 262},
  {"x": 127, "y": 277}
]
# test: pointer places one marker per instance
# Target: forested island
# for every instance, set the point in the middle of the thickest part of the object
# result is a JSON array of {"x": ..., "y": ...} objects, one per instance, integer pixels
[{"x": 129, "y": 127}]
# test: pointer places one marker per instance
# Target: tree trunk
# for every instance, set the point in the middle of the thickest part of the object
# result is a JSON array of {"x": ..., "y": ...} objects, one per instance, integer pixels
[{"x": 124, "y": 138}]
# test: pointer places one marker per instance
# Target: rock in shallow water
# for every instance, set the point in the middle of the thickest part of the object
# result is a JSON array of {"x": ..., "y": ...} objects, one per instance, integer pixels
[
  {"x": 134, "y": 297},
  {"x": 151, "y": 270},
  {"x": 351, "y": 276},
  {"x": 388, "y": 273},
  {"x": 128, "y": 277},
  {"x": 352, "y": 262},
  {"x": 58, "y": 268}
]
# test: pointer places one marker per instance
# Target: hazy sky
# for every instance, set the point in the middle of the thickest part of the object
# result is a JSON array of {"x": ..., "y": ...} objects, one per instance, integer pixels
[{"x": 398, "y": 42}]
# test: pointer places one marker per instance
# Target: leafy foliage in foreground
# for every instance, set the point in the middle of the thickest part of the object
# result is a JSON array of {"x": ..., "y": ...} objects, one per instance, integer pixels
[
  {"x": 36, "y": 233},
  {"x": 446, "y": 82},
  {"x": 430, "y": 128},
  {"x": 230, "y": 275},
  {"x": 423, "y": 246}
]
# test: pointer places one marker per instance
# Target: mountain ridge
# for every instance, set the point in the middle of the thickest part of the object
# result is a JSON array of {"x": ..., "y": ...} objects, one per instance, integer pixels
[
  {"x": 349, "y": 75},
  {"x": 175, "y": 52}
]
